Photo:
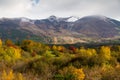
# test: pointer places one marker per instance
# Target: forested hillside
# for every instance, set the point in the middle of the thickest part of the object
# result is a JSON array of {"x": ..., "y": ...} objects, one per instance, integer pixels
[{"x": 29, "y": 60}]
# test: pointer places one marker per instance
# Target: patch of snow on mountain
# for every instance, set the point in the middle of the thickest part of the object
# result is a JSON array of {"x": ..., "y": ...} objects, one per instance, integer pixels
[
  {"x": 27, "y": 20},
  {"x": 72, "y": 19}
]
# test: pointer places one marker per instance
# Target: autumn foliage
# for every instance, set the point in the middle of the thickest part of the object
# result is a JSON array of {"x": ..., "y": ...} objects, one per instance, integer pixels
[{"x": 30, "y": 60}]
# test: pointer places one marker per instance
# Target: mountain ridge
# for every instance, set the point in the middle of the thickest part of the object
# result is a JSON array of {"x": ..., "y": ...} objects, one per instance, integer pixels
[{"x": 60, "y": 30}]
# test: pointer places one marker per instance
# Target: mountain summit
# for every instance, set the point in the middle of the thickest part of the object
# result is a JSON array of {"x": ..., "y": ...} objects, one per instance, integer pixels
[{"x": 61, "y": 30}]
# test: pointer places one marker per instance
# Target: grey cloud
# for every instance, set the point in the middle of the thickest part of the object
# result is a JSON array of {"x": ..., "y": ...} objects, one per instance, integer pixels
[
  {"x": 7, "y": 3},
  {"x": 63, "y": 8},
  {"x": 75, "y": 5}
]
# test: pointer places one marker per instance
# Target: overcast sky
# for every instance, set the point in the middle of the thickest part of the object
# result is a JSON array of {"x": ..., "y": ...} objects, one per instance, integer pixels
[{"x": 37, "y": 9}]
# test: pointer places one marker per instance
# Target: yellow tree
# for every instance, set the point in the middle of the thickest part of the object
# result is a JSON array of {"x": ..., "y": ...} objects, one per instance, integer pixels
[
  {"x": 9, "y": 76},
  {"x": 72, "y": 73},
  {"x": 87, "y": 52},
  {"x": 54, "y": 47},
  {"x": 0, "y": 42},
  {"x": 105, "y": 52},
  {"x": 79, "y": 74},
  {"x": 20, "y": 77}
]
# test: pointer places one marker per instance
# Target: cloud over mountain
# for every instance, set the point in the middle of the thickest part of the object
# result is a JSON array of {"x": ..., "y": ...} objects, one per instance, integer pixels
[{"x": 44, "y": 8}]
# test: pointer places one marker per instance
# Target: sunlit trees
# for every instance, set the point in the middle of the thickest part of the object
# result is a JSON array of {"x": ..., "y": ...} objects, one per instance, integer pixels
[
  {"x": 28, "y": 45},
  {"x": 58, "y": 62},
  {"x": 7, "y": 76},
  {"x": 33, "y": 47},
  {"x": 13, "y": 52},
  {"x": 87, "y": 52},
  {"x": 19, "y": 76},
  {"x": 10, "y": 75},
  {"x": 54, "y": 47},
  {"x": 60, "y": 48},
  {"x": 0, "y": 42},
  {"x": 9, "y": 54},
  {"x": 105, "y": 52},
  {"x": 79, "y": 74},
  {"x": 70, "y": 73},
  {"x": 104, "y": 55}
]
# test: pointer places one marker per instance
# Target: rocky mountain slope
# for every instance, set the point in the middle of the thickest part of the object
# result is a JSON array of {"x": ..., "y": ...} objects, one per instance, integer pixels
[{"x": 61, "y": 30}]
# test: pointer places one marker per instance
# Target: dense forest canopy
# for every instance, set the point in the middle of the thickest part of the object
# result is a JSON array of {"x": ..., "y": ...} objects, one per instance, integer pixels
[{"x": 30, "y": 60}]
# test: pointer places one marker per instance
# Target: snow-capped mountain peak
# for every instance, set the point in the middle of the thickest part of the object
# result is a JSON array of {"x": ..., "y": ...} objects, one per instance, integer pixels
[
  {"x": 67, "y": 19},
  {"x": 72, "y": 19}
]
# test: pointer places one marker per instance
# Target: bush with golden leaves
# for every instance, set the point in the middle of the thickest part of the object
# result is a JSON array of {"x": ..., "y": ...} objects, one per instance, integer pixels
[
  {"x": 70, "y": 73},
  {"x": 11, "y": 76}
]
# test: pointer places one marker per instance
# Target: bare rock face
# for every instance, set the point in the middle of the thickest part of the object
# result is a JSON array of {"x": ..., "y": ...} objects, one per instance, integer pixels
[{"x": 61, "y": 30}]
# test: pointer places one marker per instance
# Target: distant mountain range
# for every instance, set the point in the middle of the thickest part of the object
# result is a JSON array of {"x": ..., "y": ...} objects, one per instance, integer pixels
[{"x": 58, "y": 30}]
